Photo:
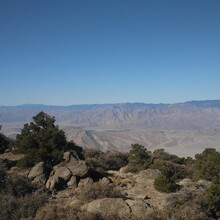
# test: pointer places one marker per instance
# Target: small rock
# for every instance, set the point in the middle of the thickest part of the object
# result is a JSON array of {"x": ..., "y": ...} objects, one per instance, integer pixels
[
  {"x": 105, "y": 181},
  {"x": 186, "y": 182},
  {"x": 67, "y": 156},
  {"x": 203, "y": 183},
  {"x": 7, "y": 150},
  {"x": 85, "y": 182}
]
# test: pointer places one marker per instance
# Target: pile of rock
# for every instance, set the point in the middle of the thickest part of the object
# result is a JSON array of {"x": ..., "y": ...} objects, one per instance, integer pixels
[
  {"x": 66, "y": 174},
  {"x": 138, "y": 194}
]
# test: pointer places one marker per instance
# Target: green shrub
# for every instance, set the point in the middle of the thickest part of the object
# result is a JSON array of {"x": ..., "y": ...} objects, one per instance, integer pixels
[
  {"x": 3, "y": 178},
  {"x": 139, "y": 158},
  {"x": 113, "y": 160},
  {"x": 164, "y": 184},
  {"x": 178, "y": 171},
  {"x": 4, "y": 143},
  {"x": 212, "y": 198},
  {"x": 207, "y": 164},
  {"x": 163, "y": 155},
  {"x": 100, "y": 161}
]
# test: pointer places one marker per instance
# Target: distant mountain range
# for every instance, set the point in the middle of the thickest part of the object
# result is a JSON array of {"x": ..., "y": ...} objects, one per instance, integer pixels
[
  {"x": 131, "y": 116},
  {"x": 183, "y": 128}
]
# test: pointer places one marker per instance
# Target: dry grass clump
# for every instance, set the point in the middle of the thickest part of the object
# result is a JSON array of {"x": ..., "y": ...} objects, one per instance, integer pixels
[
  {"x": 57, "y": 212},
  {"x": 187, "y": 204},
  {"x": 68, "y": 213},
  {"x": 18, "y": 197},
  {"x": 14, "y": 208},
  {"x": 98, "y": 191}
]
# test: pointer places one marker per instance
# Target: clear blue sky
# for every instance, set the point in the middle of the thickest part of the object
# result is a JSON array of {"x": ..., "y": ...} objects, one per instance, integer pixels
[{"x": 64, "y": 52}]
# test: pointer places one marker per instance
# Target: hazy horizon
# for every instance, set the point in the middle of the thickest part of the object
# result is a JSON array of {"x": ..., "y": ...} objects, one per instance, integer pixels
[
  {"x": 84, "y": 52},
  {"x": 116, "y": 103}
]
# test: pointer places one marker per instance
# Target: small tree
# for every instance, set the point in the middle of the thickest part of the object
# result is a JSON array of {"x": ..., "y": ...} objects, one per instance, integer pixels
[
  {"x": 41, "y": 140},
  {"x": 139, "y": 158},
  {"x": 207, "y": 164}
]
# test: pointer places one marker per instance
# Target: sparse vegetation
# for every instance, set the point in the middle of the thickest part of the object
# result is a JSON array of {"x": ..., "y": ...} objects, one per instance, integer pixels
[
  {"x": 187, "y": 204},
  {"x": 18, "y": 197},
  {"x": 98, "y": 191},
  {"x": 41, "y": 140},
  {"x": 69, "y": 213}
]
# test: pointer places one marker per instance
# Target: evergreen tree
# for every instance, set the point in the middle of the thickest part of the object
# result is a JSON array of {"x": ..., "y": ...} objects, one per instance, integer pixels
[{"x": 41, "y": 140}]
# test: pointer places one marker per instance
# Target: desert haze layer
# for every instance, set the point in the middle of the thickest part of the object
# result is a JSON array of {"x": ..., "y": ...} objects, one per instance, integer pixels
[{"x": 183, "y": 128}]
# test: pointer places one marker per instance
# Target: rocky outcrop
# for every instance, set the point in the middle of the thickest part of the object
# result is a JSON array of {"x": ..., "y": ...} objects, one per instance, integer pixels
[{"x": 67, "y": 173}]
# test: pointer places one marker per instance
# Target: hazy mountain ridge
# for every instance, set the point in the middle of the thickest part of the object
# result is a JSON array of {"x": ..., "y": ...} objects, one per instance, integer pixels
[
  {"x": 188, "y": 115},
  {"x": 182, "y": 128}
]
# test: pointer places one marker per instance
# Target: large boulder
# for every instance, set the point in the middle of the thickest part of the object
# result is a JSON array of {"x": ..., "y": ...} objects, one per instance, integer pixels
[
  {"x": 59, "y": 178},
  {"x": 55, "y": 182},
  {"x": 109, "y": 206},
  {"x": 78, "y": 168},
  {"x": 37, "y": 171},
  {"x": 64, "y": 173}
]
